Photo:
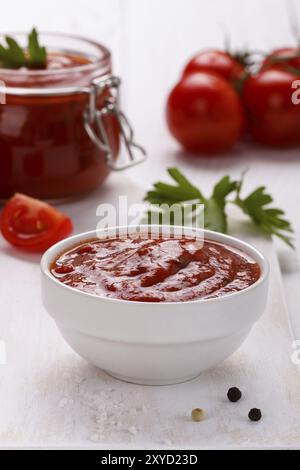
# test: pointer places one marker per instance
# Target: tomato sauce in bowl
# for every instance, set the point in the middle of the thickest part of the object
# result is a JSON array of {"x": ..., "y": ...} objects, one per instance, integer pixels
[{"x": 158, "y": 269}]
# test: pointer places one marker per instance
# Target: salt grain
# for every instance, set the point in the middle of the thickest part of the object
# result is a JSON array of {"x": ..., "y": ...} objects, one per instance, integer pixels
[
  {"x": 132, "y": 430},
  {"x": 78, "y": 380},
  {"x": 63, "y": 402},
  {"x": 95, "y": 437}
]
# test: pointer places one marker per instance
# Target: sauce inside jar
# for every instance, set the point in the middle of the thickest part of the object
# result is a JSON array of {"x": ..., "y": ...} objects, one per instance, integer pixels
[
  {"x": 56, "y": 61},
  {"x": 161, "y": 269},
  {"x": 45, "y": 149}
]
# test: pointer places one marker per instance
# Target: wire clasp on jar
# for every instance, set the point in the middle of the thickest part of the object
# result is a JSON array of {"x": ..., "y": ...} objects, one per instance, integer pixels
[{"x": 94, "y": 122}]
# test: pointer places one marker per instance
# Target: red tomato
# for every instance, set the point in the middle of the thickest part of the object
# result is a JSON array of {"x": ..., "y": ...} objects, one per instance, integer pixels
[
  {"x": 219, "y": 62},
  {"x": 283, "y": 58},
  {"x": 204, "y": 113},
  {"x": 274, "y": 119},
  {"x": 33, "y": 225}
]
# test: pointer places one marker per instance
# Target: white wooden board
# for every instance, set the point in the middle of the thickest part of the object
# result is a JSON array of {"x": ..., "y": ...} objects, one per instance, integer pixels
[{"x": 51, "y": 397}]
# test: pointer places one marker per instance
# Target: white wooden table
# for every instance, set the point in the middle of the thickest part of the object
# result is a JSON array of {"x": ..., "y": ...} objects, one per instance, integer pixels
[{"x": 49, "y": 396}]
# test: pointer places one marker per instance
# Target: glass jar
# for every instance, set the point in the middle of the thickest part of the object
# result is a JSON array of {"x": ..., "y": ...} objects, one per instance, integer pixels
[{"x": 61, "y": 128}]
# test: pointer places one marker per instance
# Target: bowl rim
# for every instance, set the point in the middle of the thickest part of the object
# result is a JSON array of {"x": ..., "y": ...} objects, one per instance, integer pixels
[{"x": 228, "y": 240}]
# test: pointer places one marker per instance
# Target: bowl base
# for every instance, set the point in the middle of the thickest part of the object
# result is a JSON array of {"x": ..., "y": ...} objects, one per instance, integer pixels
[{"x": 152, "y": 382}]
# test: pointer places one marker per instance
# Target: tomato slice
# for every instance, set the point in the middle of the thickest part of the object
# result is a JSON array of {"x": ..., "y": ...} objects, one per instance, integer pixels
[{"x": 33, "y": 225}]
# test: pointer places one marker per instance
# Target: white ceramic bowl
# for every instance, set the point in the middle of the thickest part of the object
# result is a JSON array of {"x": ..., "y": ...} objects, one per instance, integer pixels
[{"x": 154, "y": 343}]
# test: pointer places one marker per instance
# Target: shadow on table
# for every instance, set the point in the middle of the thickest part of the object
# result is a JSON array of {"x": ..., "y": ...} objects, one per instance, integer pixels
[{"x": 243, "y": 153}]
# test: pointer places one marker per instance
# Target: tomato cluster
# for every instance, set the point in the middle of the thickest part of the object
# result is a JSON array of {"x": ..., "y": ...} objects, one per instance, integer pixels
[{"x": 218, "y": 99}]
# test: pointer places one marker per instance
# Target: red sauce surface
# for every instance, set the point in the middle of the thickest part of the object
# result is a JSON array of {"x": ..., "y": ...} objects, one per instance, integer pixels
[
  {"x": 45, "y": 149},
  {"x": 57, "y": 61},
  {"x": 155, "y": 270}
]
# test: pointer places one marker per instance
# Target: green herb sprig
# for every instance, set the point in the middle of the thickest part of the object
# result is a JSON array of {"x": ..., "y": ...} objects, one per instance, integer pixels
[
  {"x": 256, "y": 205},
  {"x": 13, "y": 56}
]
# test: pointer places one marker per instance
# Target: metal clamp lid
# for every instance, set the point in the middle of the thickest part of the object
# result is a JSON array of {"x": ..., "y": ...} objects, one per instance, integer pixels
[{"x": 95, "y": 126}]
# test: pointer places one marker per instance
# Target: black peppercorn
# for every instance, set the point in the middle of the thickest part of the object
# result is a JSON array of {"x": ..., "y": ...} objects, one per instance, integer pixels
[
  {"x": 255, "y": 414},
  {"x": 234, "y": 394}
]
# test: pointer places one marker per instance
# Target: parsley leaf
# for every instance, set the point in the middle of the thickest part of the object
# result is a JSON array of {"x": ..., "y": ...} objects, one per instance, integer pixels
[
  {"x": 257, "y": 205},
  {"x": 214, "y": 207},
  {"x": 13, "y": 56},
  {"x": 269, "y": 219},
  {"x": 37, "y": 54},
  {"x": 215, "y": 217},
  {"x": 166, "y": 195},
  {"x": 169, "y": 194}
]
